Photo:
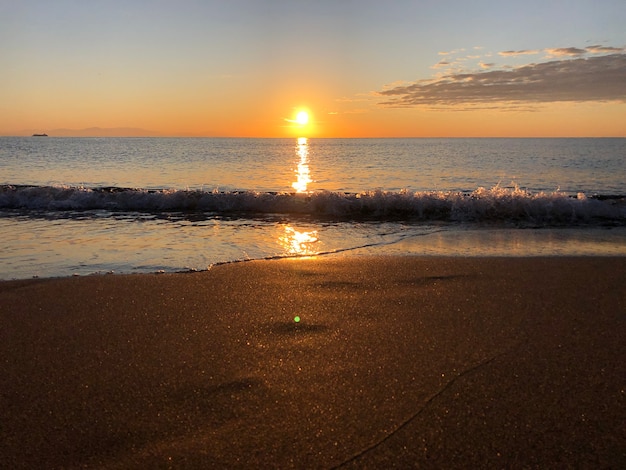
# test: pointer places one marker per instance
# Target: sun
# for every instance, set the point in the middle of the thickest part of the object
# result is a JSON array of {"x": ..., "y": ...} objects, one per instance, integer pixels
[
  {"x": 302, "y": 118},
  {"x": 300, "y": 122}
]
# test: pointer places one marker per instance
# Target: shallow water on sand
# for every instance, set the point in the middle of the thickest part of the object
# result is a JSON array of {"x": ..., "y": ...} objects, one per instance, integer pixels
[{"x": 144, "y": 243}]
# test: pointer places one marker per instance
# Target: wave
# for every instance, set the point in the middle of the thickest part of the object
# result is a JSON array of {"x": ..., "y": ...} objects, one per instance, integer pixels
[{"x": 480, "y": 205}]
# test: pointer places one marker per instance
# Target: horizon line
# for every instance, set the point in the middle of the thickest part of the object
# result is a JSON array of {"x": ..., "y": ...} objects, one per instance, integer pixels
[{"x": 135, "y": 132}]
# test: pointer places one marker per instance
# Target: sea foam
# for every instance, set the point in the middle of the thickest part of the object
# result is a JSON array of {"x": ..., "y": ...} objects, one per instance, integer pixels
[{"x": 480, "y": 205}]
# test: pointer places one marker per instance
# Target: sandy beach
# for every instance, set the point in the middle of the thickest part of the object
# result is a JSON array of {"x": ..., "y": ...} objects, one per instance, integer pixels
[{"x": 398, "y": 362}]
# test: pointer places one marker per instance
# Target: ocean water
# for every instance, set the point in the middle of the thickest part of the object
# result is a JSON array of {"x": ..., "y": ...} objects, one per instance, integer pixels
[{"x": 98, "y": 205}]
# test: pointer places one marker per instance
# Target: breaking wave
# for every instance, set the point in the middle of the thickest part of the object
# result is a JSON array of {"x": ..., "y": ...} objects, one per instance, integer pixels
[{"x": 480, "y": 205}]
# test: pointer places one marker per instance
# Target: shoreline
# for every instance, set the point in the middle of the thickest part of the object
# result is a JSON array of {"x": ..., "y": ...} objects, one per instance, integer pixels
[
  {"x": 396, "y": 360},
  {"x": 107, "y": 258}
]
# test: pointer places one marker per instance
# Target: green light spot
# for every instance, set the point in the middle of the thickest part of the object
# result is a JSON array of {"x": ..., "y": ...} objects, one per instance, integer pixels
[{"x": 296, "y": 319}]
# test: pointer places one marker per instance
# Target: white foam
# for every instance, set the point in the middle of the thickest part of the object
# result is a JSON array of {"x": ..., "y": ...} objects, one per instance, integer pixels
[{"x": 495, "y": 204}]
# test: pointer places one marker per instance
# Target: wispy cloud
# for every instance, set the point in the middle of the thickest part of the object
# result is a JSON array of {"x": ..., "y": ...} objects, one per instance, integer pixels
[
  {"x": 441, "y": 64},
  {"x": 516, "y": 53},
  {"x": 455, "y": 51},
  {"x": 604, "y": 49},
  {"x": 577, "y": 75},
  {"x": 566, "y": 52}
]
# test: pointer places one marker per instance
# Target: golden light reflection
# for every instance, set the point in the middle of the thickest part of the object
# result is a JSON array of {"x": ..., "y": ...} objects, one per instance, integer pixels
[
  {"x": 299, "y": 243},
  {"x": 303, "y": 175}
]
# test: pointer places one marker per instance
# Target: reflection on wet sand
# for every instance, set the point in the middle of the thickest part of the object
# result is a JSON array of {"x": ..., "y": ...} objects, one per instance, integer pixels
[{"x": 294, "y": 242}]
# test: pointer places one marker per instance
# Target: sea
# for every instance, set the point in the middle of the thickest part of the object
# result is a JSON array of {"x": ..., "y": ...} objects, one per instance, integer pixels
[{"x": 83, "y": 206}]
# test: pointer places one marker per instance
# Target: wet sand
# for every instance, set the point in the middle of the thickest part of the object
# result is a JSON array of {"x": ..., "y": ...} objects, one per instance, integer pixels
[{"x": 395, "y": 362}]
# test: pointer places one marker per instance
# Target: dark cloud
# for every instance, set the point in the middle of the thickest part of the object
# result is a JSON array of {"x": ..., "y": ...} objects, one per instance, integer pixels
[{"x": 600, "y": 78}]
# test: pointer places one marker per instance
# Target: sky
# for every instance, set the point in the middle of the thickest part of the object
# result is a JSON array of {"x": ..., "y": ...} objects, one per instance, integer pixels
[{"x": 245, "y": 68}]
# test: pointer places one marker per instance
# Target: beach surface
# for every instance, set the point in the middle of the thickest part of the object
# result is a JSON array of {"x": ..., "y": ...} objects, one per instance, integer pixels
[{"x": 428, "y": 362}]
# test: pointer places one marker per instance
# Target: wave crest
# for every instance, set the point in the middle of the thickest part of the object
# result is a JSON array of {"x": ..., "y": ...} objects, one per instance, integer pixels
[{"x": 495, "y": 204}]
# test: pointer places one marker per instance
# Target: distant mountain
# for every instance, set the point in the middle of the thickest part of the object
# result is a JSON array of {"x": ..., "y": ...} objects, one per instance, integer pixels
[{"x": 103, "y": 132}]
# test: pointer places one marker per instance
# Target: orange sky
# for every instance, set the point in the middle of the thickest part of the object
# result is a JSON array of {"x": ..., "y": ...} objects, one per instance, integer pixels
[{"x": 361, "y": 69}]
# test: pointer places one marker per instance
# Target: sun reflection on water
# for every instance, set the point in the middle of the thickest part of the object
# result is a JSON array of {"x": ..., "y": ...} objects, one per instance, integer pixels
[
  {"x": 302, "y": 173},
  {"x": 292, "y": 241},
  {"x": 299, "y": 243}
]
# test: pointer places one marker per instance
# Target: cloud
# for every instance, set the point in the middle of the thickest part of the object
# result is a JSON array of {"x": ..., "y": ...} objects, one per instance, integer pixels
[
  {"x": 516, "y": 53},
  {"x": 455, "y": 51},
  {"x": 604, "y": 49},
  {"x": 565, "y": 51},
  {"x": 441, "y": 64},
  {"x": 596, "y": 78}
]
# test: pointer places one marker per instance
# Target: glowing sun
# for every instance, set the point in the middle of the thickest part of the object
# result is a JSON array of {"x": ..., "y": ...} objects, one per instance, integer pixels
[{"x": 302, "y": 118}]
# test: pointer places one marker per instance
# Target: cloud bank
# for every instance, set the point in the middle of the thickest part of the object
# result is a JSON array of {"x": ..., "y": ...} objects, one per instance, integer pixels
[{"x": 571, "y": 77}]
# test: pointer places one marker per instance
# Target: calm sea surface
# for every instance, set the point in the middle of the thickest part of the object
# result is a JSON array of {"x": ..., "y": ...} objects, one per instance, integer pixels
[{"x": 93, "y": 205}]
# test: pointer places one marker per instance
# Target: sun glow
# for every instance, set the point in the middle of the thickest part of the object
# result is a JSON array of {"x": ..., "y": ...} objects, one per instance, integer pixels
[
  {"x": 302, "y": 118},
  {"x": 301, "y": 122}
]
